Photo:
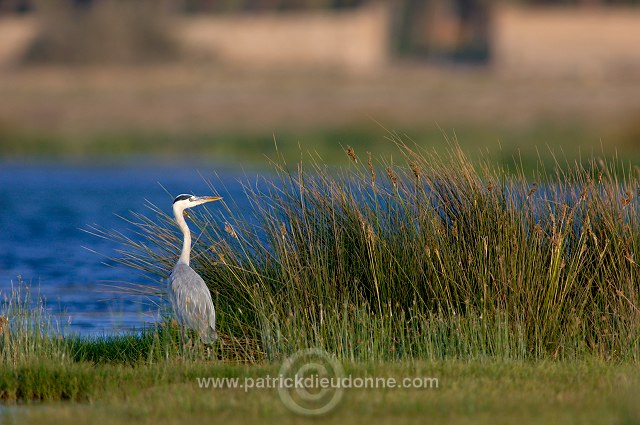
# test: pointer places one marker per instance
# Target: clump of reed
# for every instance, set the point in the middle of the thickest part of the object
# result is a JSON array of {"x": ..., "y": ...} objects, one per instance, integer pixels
[
  {"x": 31, "y": 337},
  {"x": 427, "y": 256},
  {"x": 27, "y": 330}
]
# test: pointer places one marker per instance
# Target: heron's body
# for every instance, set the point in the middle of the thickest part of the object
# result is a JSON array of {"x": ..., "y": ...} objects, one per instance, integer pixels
[
  {"x": 192, "y": 303},
  {"x": 188, "y": 294}
]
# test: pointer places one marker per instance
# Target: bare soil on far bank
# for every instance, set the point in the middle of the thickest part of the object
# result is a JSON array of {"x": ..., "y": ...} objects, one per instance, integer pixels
[{"x": 210, "y": 98}]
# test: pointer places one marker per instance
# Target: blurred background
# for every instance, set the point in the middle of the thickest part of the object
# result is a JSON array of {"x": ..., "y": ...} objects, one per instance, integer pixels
[
  {"x": 108, "y": 104},
  {"x": 219, "y": 80}
]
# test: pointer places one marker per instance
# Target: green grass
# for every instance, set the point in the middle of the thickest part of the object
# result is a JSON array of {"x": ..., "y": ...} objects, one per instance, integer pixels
[{"x": 468, "y": 392}]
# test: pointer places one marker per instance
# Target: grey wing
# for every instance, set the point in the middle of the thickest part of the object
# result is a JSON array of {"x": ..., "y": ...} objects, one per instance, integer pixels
[{"x": 191, "y": 301}]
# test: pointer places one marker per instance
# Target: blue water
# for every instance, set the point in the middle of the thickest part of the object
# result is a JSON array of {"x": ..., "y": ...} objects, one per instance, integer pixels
[{"x": 43, "y": 210}]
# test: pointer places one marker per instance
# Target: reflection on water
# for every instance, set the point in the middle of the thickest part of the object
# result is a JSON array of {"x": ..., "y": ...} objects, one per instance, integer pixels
[{"x": 42, "y": 213}]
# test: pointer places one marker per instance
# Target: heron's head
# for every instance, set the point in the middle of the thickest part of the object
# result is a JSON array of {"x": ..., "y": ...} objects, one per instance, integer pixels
[{"x": 182, "y": 202}]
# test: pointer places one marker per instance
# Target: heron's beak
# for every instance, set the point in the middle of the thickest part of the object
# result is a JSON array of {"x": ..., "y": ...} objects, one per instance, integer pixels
[{"x": 209, "y": 198}]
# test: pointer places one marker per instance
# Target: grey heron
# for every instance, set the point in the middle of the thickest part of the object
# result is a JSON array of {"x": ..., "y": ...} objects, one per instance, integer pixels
[{"x": 189, "y": 296}]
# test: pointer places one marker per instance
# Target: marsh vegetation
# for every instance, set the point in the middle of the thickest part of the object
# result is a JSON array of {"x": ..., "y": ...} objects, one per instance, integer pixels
[{"x": 496, "y": 280}]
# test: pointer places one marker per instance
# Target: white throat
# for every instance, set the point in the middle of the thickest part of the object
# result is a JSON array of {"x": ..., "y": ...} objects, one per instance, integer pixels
[{"x": 186, "y": 244}]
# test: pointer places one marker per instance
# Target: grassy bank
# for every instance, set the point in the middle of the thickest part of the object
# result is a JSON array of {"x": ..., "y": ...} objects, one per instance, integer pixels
[
  {"x": 249, "y": 148},
  {"x": 148, "y": 378},
  {"x": 468, "y": 392}
]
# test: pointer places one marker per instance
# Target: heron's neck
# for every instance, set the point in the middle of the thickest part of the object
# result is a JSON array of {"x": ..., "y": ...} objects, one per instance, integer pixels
[{"x": 186, "y": 244}]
